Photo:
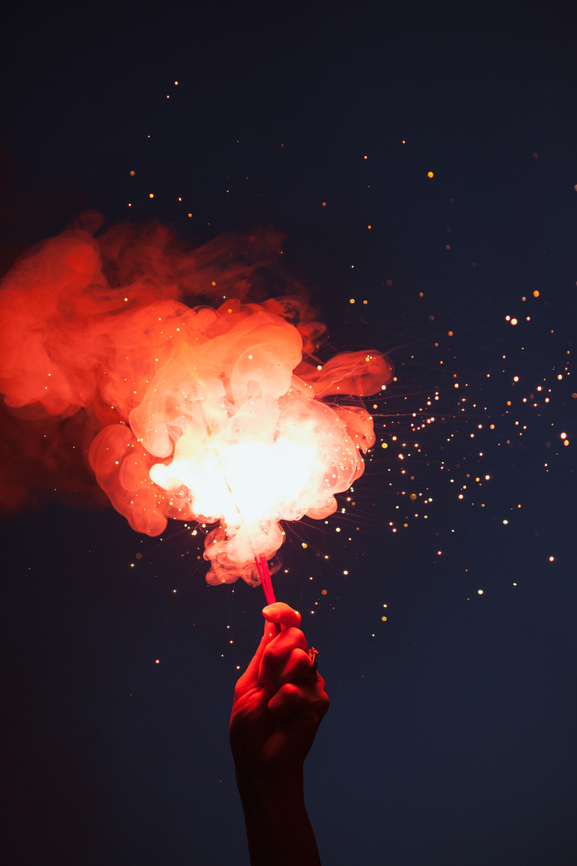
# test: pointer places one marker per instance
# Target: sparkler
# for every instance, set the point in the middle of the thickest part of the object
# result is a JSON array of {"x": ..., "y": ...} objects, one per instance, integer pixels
[{"x": 221, "y": 414}]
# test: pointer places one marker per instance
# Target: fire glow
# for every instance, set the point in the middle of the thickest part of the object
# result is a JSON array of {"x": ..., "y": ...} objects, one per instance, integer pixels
[{"x": 215, "y": 414}]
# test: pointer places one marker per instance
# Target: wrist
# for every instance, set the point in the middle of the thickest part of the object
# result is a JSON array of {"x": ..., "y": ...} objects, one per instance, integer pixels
[
  {"x": 278, "y": 828},
  {"x": 268, "y": 778},
  {"x": 273, "y": 789}
]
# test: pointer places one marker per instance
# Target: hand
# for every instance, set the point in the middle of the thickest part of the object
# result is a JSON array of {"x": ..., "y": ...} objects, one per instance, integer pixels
[{"x": 278, "y": 702}]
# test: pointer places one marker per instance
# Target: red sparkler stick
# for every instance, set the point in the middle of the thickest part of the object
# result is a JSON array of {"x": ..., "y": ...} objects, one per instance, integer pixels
[{"x": 266, "y": 582}]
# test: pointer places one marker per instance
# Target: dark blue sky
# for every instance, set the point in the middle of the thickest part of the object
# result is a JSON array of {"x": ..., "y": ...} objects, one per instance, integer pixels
[{"x": 451, "y": 735}]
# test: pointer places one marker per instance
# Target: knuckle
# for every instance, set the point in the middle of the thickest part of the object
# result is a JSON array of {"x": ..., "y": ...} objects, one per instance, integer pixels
[
  {"x": 297, "y": 637},
  {"x": 300, "y": 656},
  {"x": 290, "y": 690}
]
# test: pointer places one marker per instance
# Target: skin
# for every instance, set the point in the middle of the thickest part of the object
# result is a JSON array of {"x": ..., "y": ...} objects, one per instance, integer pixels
[{"x": 278, "y": 705}]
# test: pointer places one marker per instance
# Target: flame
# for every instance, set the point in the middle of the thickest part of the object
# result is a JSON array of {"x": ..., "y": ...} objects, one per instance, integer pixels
[{"x": 206, "y": 413}]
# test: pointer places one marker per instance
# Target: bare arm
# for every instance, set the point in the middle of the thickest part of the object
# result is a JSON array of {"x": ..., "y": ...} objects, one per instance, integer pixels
[{"x": 279, "y": 703}]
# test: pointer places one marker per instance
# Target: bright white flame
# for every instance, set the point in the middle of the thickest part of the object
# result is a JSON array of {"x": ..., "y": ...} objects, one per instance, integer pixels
[{"x": 246, "y": 483}]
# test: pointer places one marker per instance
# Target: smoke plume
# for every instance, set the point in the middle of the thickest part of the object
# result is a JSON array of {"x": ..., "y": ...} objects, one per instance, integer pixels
[{"x": 195, "y": 395}]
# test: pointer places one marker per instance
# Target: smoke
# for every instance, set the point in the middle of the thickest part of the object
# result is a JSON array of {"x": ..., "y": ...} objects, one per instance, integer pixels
[{"x": 195, "y": 396}]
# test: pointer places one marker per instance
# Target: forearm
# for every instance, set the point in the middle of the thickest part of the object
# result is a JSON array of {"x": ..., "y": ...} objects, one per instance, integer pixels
[{"x": 277, "y": 825}]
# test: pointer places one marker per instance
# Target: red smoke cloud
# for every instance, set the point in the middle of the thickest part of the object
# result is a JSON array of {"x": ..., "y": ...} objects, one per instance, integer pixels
[{"x": 213, "y": 411}]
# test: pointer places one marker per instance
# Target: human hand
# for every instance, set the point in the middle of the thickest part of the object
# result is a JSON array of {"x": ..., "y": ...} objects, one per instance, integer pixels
[{"x": 279, "y": 701}]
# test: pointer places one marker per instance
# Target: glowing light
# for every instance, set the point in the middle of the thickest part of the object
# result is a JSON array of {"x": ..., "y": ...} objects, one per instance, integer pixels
[
  {"x": 252, "y": 478},
  {"x": 430, "y": 174},
  {"x": 207, "y": 433}
]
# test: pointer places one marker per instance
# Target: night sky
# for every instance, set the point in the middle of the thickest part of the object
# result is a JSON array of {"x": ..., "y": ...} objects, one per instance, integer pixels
[{"x": 448, "y": 641}]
